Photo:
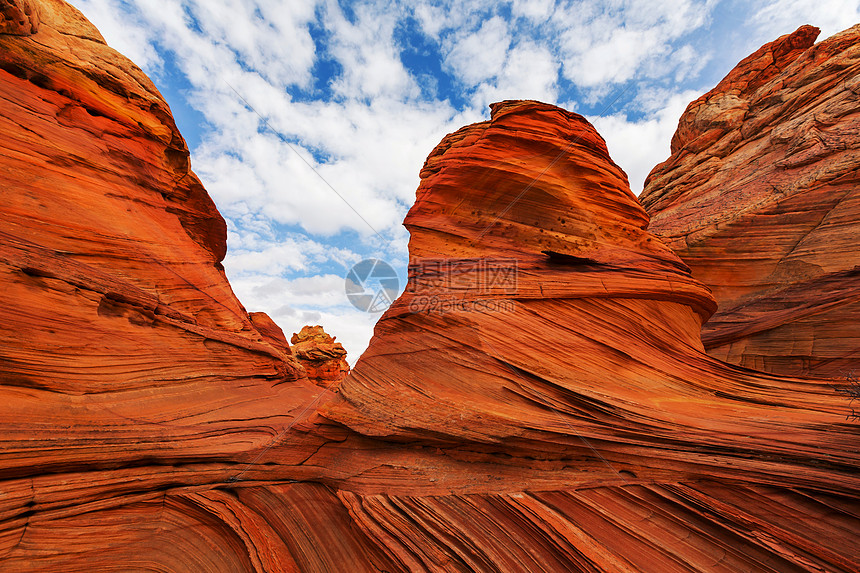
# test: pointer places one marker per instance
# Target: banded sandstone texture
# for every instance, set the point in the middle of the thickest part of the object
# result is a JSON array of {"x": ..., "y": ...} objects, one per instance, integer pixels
[
  {"x": 150, "y": 423},
  {"x": 761, "y": 197}
]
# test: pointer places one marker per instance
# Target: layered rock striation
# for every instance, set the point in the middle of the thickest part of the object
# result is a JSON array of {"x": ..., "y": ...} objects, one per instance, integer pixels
[
  {"x": 760, "y": 197},
  {"x": 538, "y": 400},
  {"x": 582, "y": 375},
  {"x": 324, "y": 359},
  {"x": 129, "y": 372},
  {"x": 118, "y": 314}
]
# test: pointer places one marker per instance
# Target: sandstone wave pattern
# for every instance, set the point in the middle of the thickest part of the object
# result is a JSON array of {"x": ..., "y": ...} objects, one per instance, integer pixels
[
  {"x": 761, "y": 197},
  {"x": 539, "y": 399}
]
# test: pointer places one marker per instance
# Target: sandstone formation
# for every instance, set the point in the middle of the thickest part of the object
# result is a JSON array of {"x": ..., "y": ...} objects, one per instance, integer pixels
[
  {"x": 623, "y": 444},
  {"x": 19, "y": 17},
  {"x": 127, "y": 366},
  {"x": 761, "y": 197},
  {"x": 538, "y": 400},
  {"x": 323, "y": 358}
]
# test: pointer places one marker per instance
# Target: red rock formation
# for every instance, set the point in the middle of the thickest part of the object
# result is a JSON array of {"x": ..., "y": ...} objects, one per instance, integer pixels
[
  {"x": 19, "y": 17},
  {"x": 129, "y": 372},
  {"x": 559, "y": 418},
  {"x": 323, "y": 358},
  {"x": 590, "y": 388},
  {"x": 760, "y": 197}
]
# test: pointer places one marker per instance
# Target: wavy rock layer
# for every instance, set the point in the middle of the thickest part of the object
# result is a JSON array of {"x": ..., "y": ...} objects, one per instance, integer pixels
[
  {"x": 584, "y": 378},
  {"x": 538, "y": 401},
  {"x": 760, "y": 197},
  {"x": 129, "y": 372}
]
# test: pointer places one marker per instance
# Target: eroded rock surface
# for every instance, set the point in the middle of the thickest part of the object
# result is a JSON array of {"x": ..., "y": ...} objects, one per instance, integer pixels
[
  {"x": 19, "y": 17},
  {"x": 761, "y": 197},
  {"x": 590, "y": 389},
  {"x": 323, "y": 358},
  {"x": 538, "y": 400}
]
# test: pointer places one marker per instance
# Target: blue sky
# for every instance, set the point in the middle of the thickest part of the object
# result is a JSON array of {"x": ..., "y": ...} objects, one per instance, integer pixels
[{"x": 354, "y": 95}]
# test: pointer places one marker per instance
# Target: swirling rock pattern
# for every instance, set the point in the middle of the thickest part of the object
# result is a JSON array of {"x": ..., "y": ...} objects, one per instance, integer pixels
[
  {"x": 590, "y": 389},
  {"x": 538, "y": 399},
  {"x": 760, "y": 197}
]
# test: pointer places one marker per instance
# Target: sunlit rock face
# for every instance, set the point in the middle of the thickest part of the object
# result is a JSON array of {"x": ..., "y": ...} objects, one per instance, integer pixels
[
  {"x": 761, "y": 198},
  {"x": 324, "y": 359},
  {"x": 575, "y": 389},
  {"x": 128, "y": 368},
  {"x": 538, "y": 400}
]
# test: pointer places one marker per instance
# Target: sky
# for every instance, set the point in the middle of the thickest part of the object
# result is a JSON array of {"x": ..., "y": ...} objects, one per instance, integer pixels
[{"x": 308, "y": 120}]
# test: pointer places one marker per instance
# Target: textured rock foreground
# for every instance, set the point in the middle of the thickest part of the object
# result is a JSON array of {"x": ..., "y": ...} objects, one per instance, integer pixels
[{"x": 562, "y": 417}]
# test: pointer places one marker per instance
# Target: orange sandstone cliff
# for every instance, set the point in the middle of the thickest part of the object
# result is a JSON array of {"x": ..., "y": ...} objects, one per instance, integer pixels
[
  {"x": 538, "y": 400},
  {"x": 761, "y": 197}
]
